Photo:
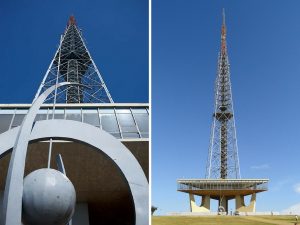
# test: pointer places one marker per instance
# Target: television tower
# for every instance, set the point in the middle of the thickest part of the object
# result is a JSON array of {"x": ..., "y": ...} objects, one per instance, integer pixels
[
  {"x": 223, "y": 179},
  {"x": 72, "y": 62},
  {"x": 223, "y": 160}
]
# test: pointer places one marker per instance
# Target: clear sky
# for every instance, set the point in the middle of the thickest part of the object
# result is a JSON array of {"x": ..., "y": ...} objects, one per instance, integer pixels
[
  {"x": 264, "y": 52},
  {"x": 116, "y": 33}
]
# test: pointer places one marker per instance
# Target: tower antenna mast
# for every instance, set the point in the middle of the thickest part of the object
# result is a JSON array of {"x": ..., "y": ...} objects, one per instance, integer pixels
[
  {"x": 223, "y": 159},
  {"x": 72, "y": 62}
]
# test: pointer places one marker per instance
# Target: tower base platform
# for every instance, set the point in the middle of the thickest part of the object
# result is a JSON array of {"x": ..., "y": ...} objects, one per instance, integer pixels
[{"x": 222, "y": 190}]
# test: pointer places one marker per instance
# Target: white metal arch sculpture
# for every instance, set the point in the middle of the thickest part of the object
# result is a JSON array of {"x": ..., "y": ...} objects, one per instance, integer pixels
[
  {"x": 100, "y": 140},
  {"x": 18, "y": 139}
]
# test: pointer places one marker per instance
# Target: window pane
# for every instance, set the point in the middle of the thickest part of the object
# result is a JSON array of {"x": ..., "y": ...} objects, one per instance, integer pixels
[
  {"x": 91, "y": 117},
  {"x": 7, "y": 111},
  {"x": 127, "y": 123},
  {"x": 73, "y": 114},
  {"x": 109, "y": 123},
  {"x": 116, "y": 135},
  {"x": 18, "y": 120},
  {"x": 40, "y": 117},
  {"x": 5, "y": 122},
  {"x": 21, "y": 111},
  {"x": 130, "y": 135},
  {"x": 123, "y": 111},
  {"x": 43, "y": 111},
  {"x": 106, "y": 110},
  {"x": 142, "y": 121},
  {"x": 139, "y": 111},
  {"x": 59, "y": 114},
  {"x": 89, "y": 111},
  {"x": 145, "y": 135}
]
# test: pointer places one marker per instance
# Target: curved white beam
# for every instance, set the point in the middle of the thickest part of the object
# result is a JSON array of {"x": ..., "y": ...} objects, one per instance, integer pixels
[{"x": 12, "y": 201}]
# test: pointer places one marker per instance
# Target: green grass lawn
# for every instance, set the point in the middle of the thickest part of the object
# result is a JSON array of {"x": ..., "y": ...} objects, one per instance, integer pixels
[{"x": 224, "y": 220}]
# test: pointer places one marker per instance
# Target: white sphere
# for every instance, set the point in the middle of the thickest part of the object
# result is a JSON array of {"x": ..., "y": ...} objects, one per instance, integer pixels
[{"x": 48, "y": 198}]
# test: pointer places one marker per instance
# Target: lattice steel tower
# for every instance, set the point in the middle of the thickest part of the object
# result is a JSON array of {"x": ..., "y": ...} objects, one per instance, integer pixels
[
  {"x": 72, "y": 62},
  {"x": 223, "y": 180},
  {"x": 223, "y": 160}
]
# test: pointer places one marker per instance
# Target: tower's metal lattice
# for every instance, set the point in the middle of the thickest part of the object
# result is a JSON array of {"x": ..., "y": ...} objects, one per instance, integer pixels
[
  {"x": 73, "y": 63},
  {"x": 223, "y": 160}
]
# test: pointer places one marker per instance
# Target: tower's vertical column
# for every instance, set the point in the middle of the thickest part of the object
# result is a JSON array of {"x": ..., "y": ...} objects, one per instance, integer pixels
[{"x": 223, "y": 149}]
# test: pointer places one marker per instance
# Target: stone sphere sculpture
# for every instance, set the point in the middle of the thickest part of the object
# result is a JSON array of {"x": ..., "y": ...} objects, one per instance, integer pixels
[{"x": 48, "y": 198}]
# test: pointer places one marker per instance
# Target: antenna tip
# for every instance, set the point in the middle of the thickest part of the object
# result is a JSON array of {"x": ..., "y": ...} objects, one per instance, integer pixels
[
  {"x": 72, "y": 20},
  {"x": 223, "y": 14}
]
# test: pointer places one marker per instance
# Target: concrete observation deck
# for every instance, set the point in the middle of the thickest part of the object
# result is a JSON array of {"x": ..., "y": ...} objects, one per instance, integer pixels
[
  {"x": 222, "y": 190},
  {"x": 222, "y": 187}
]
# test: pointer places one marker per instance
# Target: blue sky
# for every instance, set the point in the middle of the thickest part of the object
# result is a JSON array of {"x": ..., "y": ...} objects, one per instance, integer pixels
[
  {"x": 116, "y": 33},
  {"x": 264, "y": 53}
]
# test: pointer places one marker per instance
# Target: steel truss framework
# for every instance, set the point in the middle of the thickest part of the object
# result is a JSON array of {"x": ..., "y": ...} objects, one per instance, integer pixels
[
  {"x": 223, "y": 160},
  {"x": 73, "y": 63}
]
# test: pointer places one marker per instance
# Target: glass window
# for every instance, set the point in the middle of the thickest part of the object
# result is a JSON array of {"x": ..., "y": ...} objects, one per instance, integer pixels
[
  {"x": 145, "y": 135},
  {"x": 109, "y": 123},
  {"x": 142, "y": 121},
  {"x": 7, "y": 111},
  {"x": 59, "y": 114},
  {"x": 139, "y": 111},
  {"x": 127, "y": 123},
  {"x": 130, "y": 135},
  {"x": 73, "y": 114},
  {"x": 116, "y": 135},
  {"x": 42, "y": 115},
  {"x": 17, "y": 120},
  {"x": 106, "y": 110},
  {"x": 43, "y": 111},
  {"x": 91, "y": 116},
  {"x": 123, "y": 111},
  {"x": 5, "y": 120},
  {"x": 21, "y": 111}
]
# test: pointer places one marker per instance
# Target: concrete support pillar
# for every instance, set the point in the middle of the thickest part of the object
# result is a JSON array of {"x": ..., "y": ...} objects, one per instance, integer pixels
[
  {"x": 205, "y": 204},
  {"x": 240, "y": 203}
]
